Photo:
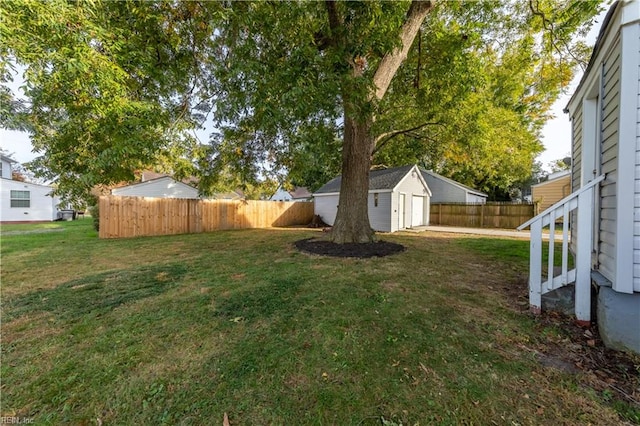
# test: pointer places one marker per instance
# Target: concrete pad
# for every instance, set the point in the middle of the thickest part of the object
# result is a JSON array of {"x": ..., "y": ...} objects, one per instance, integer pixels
[{"x": 491, "y": 232}]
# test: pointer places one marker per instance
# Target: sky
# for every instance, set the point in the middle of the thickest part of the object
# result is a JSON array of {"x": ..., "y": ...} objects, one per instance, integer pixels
[{"x": 556, "y": 134}]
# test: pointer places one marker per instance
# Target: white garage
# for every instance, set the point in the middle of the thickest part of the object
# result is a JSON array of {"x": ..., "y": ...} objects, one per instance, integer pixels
[{"x": 399, "y": 198}]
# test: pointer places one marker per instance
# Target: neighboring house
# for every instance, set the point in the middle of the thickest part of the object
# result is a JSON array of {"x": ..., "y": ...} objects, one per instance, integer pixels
[
  {"x": 298, "y": 194},
  {"x": 167, "y": 187},
  {"x": 605, "y": 177},
  {"x": 555, "y": 188},
  {"x": 161, "y": 187},
  {"x": 23, "y": 201},
  {"x": 399, "y": 198},
  {"x": 445, "y": 190}
]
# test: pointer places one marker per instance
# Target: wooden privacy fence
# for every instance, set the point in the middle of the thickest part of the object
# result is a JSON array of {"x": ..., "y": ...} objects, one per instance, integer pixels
[
  {"x": 490, "y": 215},
  {"x": 122, "y": 217}
]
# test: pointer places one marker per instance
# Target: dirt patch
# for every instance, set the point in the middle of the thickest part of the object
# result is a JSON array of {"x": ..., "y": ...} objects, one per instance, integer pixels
[
  {"x": 580, "y": 351},
  {"x": 605, "y": 370},
  {"x": 366, "y": 250}
]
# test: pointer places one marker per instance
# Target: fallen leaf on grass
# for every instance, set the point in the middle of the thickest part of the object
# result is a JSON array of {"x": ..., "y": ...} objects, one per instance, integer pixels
[{"x": 225, "y": 420}]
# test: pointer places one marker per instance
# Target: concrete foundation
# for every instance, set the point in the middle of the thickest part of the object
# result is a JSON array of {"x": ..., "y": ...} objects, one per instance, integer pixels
[{"x": 619, "y": 319}]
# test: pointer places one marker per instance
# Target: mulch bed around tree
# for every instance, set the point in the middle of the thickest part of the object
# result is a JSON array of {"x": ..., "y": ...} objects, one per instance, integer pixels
[{"x": 366, "y": 250}]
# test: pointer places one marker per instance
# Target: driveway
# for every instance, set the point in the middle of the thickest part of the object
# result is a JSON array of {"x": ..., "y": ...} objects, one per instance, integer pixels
[{"x": 491, "y": 232}]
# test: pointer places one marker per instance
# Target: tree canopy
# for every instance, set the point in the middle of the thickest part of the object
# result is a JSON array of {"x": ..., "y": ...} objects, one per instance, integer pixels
[{"x": 459, "y": 87}]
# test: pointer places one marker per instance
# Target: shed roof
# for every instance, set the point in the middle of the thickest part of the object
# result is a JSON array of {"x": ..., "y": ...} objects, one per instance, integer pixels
[
  {"x": 378, "y": 180},
  {"x": 425, "y": 173}
]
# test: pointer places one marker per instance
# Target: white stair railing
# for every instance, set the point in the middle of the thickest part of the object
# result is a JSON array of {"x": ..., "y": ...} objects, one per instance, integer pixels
[{"x": 582, "y": 200}]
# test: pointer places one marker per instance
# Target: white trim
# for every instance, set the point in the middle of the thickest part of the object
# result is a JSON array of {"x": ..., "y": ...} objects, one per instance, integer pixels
[{"x": 625, "y": 191}]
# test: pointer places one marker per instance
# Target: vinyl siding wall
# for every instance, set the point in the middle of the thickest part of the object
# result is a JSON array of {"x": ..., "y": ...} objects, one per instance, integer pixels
[
  {"x": 476, "y": 199},
  {"x": 576, "y": 165},
  {"x": 444, "y": 192},
  {"x": 411, "y": 185},
  {"x": 610, "y": 114},
  {"x": 636, "y": 225},
  {"x": 550, "y": 192},
  {"x": 379, "y": 216},
  {"x": 42, "y": 206},
  {"x": 6, "y": 169},
  {"x": 326, "y": 206},
  {"x": 161, "y": 188}
]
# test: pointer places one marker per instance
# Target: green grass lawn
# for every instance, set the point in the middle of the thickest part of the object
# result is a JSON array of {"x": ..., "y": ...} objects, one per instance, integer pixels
[{"x": 182, "y": 329}]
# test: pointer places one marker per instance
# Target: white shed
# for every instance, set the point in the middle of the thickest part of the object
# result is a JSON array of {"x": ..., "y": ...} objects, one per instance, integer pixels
[
  {"x": 163, "y": 187},
  {"x": 399, "y": 198},
  {"x": 445, "y": 190}
]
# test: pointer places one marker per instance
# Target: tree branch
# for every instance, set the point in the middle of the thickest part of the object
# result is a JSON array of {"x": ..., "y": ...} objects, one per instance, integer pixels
[
  {"x": 548, "y": 26},
  {"x": 334, "y": 20},
  {"x": 391, "y": 61},
  {"x": 381, "y": 140}
]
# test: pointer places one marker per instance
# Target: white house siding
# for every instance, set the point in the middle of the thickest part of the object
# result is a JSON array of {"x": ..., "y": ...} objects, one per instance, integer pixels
[
  {"x": 326, "y": 206},
  {"x": 42, "y": 207},
  {"x": 6, "y": 169},
  {"x": 576, "y": 165},
  {"x": 165, "y": 187},
  {"x": 609, "y": 154},
  {"x": 379, "y": 215},
  {"x": 636, "y": 225}
]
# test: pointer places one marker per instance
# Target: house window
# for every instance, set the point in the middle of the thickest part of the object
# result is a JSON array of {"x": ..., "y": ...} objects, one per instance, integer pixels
[
  {"x": 375, "y": 199},
  {"x": 21, "y": 199}
]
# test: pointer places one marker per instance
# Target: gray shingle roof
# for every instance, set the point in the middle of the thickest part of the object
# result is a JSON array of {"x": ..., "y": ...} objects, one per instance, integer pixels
[{"x": 378, "y": 180}]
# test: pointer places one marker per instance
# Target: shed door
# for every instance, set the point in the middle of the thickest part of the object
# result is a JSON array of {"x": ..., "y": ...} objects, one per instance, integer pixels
[
  {"x": 401, "y": 201},
  {"x": 417, "y": 211}
]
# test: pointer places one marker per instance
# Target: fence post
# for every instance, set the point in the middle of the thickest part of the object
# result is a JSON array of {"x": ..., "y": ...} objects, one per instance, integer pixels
[{"x": 481, "y": 215}]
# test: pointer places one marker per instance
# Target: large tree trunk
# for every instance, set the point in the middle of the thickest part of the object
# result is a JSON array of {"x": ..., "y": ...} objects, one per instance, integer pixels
[{"x": 352, "y": 220}]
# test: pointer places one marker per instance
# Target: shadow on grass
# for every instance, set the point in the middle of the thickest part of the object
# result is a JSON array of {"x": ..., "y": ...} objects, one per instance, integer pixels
[
  {"x": 277, "y": 297},
  {"x": 98, "y": 294}
]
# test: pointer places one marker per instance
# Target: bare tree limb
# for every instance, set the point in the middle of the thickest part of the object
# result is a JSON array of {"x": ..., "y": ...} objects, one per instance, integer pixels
[{"x": 391, "y": 61}]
